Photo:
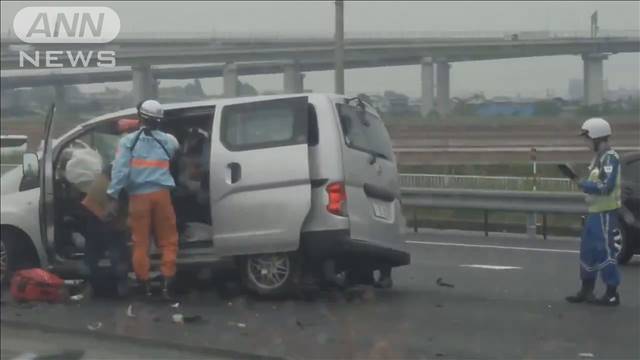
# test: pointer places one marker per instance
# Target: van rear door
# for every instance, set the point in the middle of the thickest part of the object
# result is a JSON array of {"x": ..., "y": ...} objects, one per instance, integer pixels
[
  {"x": 371, "y": 179},
  {"x": 260, "y": 183}
]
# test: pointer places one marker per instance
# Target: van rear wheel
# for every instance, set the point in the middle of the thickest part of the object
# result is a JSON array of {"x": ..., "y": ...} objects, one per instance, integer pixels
[
  {"x": 271, "y": 274},
  {"x": 624, "y": 245}
]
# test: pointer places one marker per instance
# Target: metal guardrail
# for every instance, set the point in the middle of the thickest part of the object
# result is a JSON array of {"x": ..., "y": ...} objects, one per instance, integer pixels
[
  {"x": 486, "y": 182},
  {"x": 542, "y": 202},
  {"x": 525, "y": 201}
]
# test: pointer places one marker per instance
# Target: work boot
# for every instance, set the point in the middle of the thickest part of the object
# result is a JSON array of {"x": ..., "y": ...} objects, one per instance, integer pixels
[
  {"x": 610, "y": 297},
  {"x": 585, "y": 294},
  {"x": 167, "y": 288}
]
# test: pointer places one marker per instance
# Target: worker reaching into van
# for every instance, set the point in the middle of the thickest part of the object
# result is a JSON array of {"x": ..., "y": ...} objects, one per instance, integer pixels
[{"x": 141, "y": 167}]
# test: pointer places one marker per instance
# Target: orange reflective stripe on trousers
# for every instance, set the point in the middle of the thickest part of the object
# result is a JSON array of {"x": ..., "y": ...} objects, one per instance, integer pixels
[{"x": 147, "y": 212}]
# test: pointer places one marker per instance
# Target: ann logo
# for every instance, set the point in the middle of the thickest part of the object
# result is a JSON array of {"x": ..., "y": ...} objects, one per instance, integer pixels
[{"x": 66, "y": 25}]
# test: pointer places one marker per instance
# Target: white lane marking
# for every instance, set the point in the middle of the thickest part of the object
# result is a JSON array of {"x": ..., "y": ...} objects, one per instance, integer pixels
[
  {"x": 492, "y": 267},
  {"x": 492, "y": 246}
]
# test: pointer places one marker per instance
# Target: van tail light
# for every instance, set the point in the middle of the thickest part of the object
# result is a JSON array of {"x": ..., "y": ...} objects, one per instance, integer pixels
[{"x": 337, "y": 198}]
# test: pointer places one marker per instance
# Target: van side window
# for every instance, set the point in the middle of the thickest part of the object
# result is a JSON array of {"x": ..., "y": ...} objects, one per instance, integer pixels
[
  {"x": 364, "y": 131},
  {"x": 264, "y": 124},
  {"x": 313, "y": 134}
]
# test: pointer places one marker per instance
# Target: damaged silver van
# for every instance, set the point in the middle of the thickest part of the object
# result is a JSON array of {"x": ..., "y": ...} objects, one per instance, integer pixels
[{"x": 293, "y": 187}]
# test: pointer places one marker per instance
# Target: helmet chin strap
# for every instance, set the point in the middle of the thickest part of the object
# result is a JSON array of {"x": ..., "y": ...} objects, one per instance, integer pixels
[{"x": 598, "y": 144}]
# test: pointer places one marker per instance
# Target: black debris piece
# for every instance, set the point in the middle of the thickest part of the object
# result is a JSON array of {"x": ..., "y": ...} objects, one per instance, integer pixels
[{"x": 440, "y": 282}]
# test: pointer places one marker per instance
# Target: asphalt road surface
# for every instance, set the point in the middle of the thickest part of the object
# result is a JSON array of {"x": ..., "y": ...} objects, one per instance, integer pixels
[{"x": 507, "y": 301}]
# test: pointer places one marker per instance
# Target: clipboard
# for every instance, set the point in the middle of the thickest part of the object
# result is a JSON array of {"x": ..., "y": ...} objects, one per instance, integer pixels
[{"x": 567, "y": 171}]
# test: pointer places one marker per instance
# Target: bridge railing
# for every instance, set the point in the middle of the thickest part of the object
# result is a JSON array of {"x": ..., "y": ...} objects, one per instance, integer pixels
[
  {"x": 358, "y": 35},
  {"x": 507, "y": 183}
]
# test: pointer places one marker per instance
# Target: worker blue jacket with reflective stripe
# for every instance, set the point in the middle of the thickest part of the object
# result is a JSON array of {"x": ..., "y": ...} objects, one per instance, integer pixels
[{"x": 142, "y": 166}]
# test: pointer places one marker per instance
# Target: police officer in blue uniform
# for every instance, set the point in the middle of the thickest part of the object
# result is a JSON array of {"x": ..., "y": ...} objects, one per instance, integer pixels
[{"x": 602, "y": 186}]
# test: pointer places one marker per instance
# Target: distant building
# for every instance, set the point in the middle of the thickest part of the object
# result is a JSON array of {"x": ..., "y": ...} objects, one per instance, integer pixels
[
  {"x": 576, "y": 89},
  {"x": 505, "y": 108}
]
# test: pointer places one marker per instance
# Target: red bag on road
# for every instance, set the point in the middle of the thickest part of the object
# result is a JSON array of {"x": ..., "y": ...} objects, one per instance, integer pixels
[{"x": 37, "y": 285}]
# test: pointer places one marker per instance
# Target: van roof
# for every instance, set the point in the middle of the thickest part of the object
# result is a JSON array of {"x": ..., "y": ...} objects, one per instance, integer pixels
[{"x": 212, "y": 102}]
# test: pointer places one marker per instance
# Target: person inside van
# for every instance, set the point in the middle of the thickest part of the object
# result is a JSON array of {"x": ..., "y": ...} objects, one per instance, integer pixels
[{"x": 191, "y": 198}]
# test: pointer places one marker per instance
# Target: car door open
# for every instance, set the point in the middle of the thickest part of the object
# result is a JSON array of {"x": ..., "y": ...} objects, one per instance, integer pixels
[
  {"x": 47, "y": 212},
  {"x": 260, "y": 184}
]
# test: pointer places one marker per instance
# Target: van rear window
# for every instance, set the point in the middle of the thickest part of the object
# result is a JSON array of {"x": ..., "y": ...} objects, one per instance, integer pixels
[{"x": 364, "y": 131}]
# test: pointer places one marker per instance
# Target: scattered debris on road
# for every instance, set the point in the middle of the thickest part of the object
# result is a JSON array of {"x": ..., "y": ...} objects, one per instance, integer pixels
[
  {"x": 192, "y": 318},
  {"x": 182, "y": 319},
  {"x": 178, "y": 318},
  {"x": 176, "y": 305},
  {"x": 77, "y": 297},
  {"x": 240, "y": 325},
  {"x": 440, "y": 282},
  {"x": 586, "y": 355},
  {"x": 130, "y": 311},
  {"x": 94, "y": 326}
]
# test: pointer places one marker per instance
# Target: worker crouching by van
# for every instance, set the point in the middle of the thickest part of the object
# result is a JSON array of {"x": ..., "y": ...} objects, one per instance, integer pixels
[
  {"x": 141, "y": 167},
  {"x": 105, "y": 235}
]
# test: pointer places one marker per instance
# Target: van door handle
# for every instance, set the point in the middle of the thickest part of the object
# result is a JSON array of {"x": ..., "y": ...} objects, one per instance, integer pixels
[
  {"x": 233, "y": 173},
  {"x": 372, "y": 159}
]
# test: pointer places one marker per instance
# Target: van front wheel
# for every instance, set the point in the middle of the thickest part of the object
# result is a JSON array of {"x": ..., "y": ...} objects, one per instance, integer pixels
[{"x": 271, "y": 274}]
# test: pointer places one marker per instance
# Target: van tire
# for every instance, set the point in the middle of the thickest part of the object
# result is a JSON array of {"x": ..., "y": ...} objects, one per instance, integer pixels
[
  {"x": 18, "y": 254},
  {"x": 271, "y": 275},
  {"x": 626, "y": 245}
]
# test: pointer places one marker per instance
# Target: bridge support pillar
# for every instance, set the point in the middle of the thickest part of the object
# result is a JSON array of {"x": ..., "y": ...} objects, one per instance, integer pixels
[
  {"x": 426, "y": 86},
  {"x": 230, "y": 80},
  {"x": 443, "y": 88},
  {"x": 144, "y": 85},
  {"x": 292, "y": 79},
  {"x": 593, "y": 79}
]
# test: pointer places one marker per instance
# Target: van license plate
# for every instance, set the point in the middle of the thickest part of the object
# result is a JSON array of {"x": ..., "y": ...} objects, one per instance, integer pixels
[{"x": 380, "y": 210}]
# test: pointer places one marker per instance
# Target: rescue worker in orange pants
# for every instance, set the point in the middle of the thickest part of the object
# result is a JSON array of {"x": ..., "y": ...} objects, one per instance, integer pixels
[{"x": 141, "y": 167}]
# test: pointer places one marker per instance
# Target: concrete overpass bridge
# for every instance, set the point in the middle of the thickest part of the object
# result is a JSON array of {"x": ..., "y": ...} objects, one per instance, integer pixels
[{"x": 146, "y": 62}]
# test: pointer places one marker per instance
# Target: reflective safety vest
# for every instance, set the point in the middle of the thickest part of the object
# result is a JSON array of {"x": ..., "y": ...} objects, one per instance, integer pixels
[
  {"x": 142, "y": 163},
  {"x": 604, "y": 176}
]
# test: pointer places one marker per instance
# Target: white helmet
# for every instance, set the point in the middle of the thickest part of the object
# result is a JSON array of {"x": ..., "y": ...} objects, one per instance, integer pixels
[
  {"x": 596, "y": 128},
  {"x": 150, "y": 110}
]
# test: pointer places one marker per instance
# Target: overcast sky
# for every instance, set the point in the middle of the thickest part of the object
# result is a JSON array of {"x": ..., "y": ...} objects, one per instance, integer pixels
[{"x": 528, "y": 76}]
